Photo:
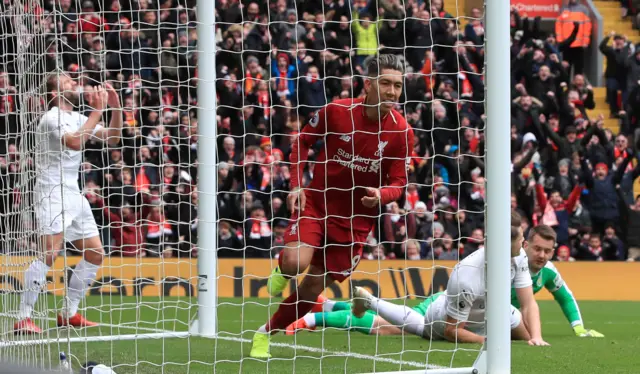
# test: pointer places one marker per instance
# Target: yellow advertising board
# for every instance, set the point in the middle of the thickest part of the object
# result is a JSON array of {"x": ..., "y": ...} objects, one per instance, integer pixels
[{"x": 248, "y": 278}]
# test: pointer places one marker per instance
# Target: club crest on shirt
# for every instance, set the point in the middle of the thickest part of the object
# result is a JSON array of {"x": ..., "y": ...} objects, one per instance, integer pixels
[
  {"x": 314, "y": 120},
  {"x": 381, "y": 146},
  {"x": 539, "y": 282}
]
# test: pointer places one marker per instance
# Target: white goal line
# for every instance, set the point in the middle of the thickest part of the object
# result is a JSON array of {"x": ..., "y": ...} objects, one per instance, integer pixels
[{"x": 153, "y": 333}]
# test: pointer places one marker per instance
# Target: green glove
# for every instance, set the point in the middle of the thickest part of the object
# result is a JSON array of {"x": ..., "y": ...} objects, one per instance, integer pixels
[{"x": 583, "y": 333}]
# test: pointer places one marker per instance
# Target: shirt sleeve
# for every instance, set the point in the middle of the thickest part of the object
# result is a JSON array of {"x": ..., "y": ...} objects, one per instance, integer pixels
[
  {"x": 563, "y": 296},
  {"x": 314, "y": 130},
  {"x": 459, "y": 298},
  {"x": 396, "y": 180},
  {"x": 522, "y": 277}
]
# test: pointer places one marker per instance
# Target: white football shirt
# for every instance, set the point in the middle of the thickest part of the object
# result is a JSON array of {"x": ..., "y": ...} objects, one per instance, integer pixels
[
  {"x": 466, "y": 289},
  {"x": 57, "y": 165}
]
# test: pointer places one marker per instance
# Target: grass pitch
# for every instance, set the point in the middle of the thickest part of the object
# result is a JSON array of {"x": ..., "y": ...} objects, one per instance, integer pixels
[{"x": 328, "y": 351}]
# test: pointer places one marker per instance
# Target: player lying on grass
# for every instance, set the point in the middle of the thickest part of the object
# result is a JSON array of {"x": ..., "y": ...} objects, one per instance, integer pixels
[
  {"x": 457, "y": 315},
  {"x": 362, "y": 165},
  {"x": 539, "y": 249},
  {"x": 62, "y": 211}
]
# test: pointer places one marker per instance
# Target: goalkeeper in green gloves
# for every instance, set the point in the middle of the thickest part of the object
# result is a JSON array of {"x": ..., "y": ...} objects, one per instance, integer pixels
[{"x": 540, "y": 248}]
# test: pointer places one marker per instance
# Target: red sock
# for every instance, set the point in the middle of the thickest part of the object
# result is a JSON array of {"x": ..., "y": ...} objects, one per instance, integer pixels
[{"x": 289, "y": 311}]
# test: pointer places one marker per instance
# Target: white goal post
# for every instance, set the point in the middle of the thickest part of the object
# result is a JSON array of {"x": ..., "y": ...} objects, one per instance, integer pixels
[{"x": 203, "y": 318}]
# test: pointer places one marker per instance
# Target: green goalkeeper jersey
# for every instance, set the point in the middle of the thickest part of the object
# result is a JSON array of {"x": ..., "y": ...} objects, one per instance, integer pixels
[{"x": 549, "y": 278}]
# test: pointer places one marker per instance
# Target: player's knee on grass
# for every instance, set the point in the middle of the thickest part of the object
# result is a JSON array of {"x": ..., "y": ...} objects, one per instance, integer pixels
[{"x": 296, "y": 258}]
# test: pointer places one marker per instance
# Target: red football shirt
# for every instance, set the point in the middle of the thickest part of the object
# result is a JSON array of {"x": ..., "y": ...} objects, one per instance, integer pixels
[{"x": 357, "y": 153}]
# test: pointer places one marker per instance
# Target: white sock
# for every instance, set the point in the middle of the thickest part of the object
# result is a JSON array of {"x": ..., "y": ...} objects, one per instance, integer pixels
[
  {"x": 263, "y": 329},
  {"x": 35, "y": 278},
  {"x": 83, "y": 275},
  {"x": 310, "y": 320},
  {"x": 398, "y": 315},
  {"x": 328, "y": 305}
]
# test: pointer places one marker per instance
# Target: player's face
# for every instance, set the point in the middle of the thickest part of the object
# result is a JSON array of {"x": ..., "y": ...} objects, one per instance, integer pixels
[
  {"x": 69, "y": 90},
  {"x": 539, "y": 251},
  {"x": 385, "y": 90}
]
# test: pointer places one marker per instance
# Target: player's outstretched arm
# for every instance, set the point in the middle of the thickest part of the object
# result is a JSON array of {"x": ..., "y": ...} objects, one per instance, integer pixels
[
  {"x": 530, "y": 314},
  {"x": 75, "y": 140},
  {"x": 454, "y": 331},
  {"x": 460, "y": 299},
  {"x": 564, "y": 297},
  {"x": 112, "y": 134}
]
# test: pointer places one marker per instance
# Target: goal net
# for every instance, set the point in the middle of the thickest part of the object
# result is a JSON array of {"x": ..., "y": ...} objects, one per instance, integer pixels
[{"x": 192, "y": 201}]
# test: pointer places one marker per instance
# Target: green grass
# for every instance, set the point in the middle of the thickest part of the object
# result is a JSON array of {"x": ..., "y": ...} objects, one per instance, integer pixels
[{"x": 330, "y": 351}]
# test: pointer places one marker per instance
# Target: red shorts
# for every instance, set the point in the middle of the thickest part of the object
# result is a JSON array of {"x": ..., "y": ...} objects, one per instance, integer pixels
[{"x": 338, "y": 250}]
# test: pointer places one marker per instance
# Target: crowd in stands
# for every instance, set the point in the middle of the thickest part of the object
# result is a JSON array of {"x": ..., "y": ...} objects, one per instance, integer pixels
[{"x": 280, "y": 61}]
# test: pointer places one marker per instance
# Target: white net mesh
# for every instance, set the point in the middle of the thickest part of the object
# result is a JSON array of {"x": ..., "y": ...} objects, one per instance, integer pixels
[{"x": 278, "y": 63}]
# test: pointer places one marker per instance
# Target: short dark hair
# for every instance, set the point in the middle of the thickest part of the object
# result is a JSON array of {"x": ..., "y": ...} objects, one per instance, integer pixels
[
  {"x": 516, "y": 222},
  {"x": 515, "y": 232},
  {"x": 543, "y": 231},
  {"x": 386, "y": 61}
]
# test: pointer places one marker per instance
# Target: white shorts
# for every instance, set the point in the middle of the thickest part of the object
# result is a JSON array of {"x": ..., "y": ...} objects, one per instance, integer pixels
[
  {"x": 65, "y": 212},
  {"x": 435, "y": 320}
]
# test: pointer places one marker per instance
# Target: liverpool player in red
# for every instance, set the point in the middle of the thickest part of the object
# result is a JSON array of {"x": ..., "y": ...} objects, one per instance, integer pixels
[{"x": 362, "y": 166}]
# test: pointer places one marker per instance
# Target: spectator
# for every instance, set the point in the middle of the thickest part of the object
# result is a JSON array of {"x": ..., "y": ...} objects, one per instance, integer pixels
[
  {"x": 556, "y": 211},
  {"x": 574, "y": 12},
  {"x": 616, "y": 74},
  {"x": 592, "y": 251},
  {"x": 365, "y": 31},
  {"x": 602, "y": 196},
  {"x": 563, "y": 254},
  {"x": 158, "y": 232},
  {"x": 229, "y": 243}
]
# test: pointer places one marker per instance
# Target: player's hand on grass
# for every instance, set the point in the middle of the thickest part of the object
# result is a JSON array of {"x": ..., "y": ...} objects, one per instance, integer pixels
[
  {"x": 581, "y": 332},
  {"x": 296, "y": 200},
  {"x": 538, "y": 342},
  {"x": 372, "y": 199}
]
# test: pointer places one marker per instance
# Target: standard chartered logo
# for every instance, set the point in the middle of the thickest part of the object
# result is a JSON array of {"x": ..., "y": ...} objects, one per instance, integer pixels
[{"x": 356, "y": 162}]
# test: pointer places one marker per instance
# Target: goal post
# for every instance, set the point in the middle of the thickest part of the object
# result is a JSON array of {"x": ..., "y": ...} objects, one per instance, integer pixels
[
  {"x": 208, "y": 172},
  {"x": 498, "y": 158}
]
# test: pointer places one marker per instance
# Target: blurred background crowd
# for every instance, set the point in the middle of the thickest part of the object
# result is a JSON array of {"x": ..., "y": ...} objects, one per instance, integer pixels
[{"x": 278, "y": 62}]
